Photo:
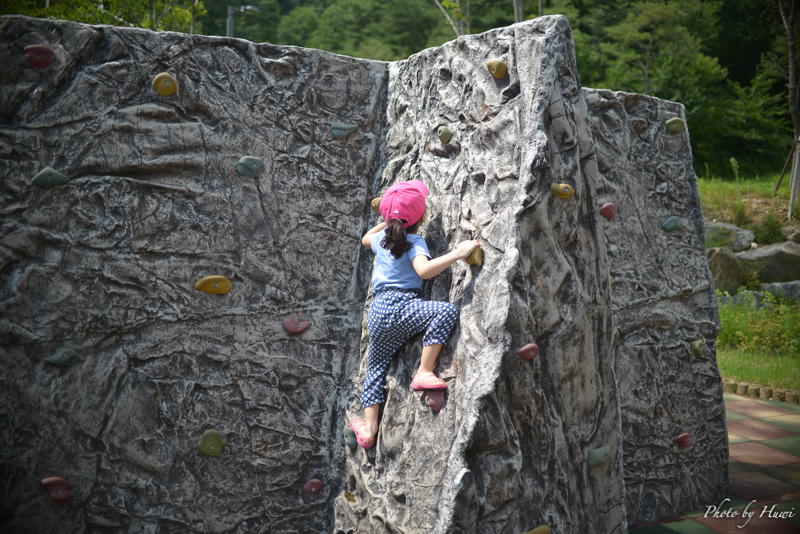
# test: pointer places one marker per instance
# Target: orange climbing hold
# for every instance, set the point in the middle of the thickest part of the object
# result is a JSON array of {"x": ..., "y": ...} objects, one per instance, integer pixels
[
  {"x": 293, "y": 327},
  {"x": 39, "y": 56},
  {"x": 58, "y": 489},
  {"x": 529, "y": 351},
  {"x": 683, "y": 440},
  {"x": 213, "y": 284}
]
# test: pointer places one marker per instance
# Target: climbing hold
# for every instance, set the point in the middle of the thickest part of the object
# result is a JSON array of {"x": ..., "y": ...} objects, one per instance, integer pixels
[
  {"x": 365, "y": 330},
  {"x": 213, "y": 284},
  {"x": 165, "y": 84},
  {"x": 675, "y": 125},
  {"x": 543, "y": 529},
  {"x": 38, "y": 56},
  {"x": 58, "y": 489},
  {"x": 529, "y": 351},
  {"x": 673, "y": 223},
  {"x": 313, "y": 486},
  {"x": 341, "y": 130},
  {"x": 475, "y": 258},
  {"x": 48, "y": 178},
  {"x": 599, "y": 455},
  {"x": 609, "y": 210},
  {"x": 350, "y": 437},
  {"x": 64, "y": 357},
  {"x": 497, "y": 68},
  {"x": 349, "y": 496},
  {"x": 683, "y": 440},
  {"x": 610, "y": 282},
  {"x": 250, "y": 166},
  {"x": 376, "y": 204},
  {"x": 293, "y": 327},
  {"x": 434, "y": 399},
  {"x": 697, "y": 347},
  {"x": 444, "y": 134},
  {"x": 562, "y": 190},
  {"x": 211, "y": 443}
]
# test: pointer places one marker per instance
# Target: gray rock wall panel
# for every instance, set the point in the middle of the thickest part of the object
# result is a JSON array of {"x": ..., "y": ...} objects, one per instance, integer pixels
[
  {"x": 106, "y": 264},
  {"x": 508, "y": 451},
  {"x": 663, "y": 298}
]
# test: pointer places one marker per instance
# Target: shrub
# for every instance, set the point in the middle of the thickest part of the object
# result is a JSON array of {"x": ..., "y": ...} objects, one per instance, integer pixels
[
  {"x": 740, "y": 217},
  {"x": 773, "y": 329},
  {"x": 768, "y": 232},
  {"x": 751, "y": 280}
]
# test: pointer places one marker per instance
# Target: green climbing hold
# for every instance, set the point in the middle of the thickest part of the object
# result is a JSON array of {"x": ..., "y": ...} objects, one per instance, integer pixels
[
  {"x": 444, "y": 134},
  {"x": 697, "y": 347},
  {"x": 599, "y": 455},
  {"x": 675, "y": 125},
  {"x": 497, "y": 68},
  {"x": 64, "y": 357},
  {"x": 341, "y": 130},
  {"x": 48, "y": 178},
  {"x": 165, "y": 84},
  {"x": 350, "y": 437},
  {"x": 211, "y": 443},
  {"x": 673, "y": 223},
  {"x": 250, "y": 166}
]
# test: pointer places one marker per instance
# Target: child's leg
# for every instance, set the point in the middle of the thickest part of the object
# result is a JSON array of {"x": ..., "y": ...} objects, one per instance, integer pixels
[{"x": 438, "y": 318}]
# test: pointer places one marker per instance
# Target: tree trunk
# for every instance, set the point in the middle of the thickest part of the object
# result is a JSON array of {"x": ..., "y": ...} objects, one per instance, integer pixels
[{"x": 788, "y": 12}]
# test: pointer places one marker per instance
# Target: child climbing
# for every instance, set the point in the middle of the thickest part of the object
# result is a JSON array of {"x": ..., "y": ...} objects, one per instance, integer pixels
[{"x": 397, "y": 313}]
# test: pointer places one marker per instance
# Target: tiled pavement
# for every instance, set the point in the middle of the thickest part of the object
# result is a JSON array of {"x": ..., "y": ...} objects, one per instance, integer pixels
[{"x": 764, "y": 442}]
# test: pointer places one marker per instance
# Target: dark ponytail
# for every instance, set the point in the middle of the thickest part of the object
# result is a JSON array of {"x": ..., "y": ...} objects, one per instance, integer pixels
[{"x": 395, "y": 240}]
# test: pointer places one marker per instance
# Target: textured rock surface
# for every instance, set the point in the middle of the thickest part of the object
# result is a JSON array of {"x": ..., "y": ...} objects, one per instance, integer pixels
[
  {"x": 726, "y": 270},
  {"x": 663, "y": 298},
  {"x": 779, "y": 262},
  {"x": 728, "y": 235},
  {"x": 788, "y": 290},
  {"x": 791, "y": 234},
  {"x": 106, "y": 264},
  {"x": 509, "y": 449}
]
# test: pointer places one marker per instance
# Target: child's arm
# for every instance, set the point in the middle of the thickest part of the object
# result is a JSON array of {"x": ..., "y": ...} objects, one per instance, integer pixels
[
  {"x": 429, "y": 268},
  {"x": 366, "y": 240}
]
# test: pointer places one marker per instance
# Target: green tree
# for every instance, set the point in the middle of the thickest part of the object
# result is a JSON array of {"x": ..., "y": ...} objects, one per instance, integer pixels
[
  {"x": 297, "y": 26},
  {"x": 257, "y": 27}
]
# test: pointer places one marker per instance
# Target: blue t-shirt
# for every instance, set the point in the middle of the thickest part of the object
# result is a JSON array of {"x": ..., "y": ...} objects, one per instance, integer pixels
[{"x": 390, "y": 272}]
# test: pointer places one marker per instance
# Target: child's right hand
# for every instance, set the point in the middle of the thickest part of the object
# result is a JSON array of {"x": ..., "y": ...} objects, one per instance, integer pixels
[{"x": 465, "y": 248}]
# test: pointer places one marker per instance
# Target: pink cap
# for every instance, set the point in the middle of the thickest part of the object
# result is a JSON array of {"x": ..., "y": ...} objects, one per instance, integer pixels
[{"x": 404, "y": 200}]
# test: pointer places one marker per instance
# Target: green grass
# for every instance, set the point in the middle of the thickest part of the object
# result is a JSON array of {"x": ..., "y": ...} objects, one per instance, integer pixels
[
  {"x": 716, "y": 193},
  {"x": 745, "y": 366}
]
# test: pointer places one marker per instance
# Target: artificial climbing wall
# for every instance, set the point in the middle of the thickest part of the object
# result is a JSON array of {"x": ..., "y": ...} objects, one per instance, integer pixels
[
  {"x": 510, "y": 449},
  {"x": 106, "y": 265},
  {"x": 662, "y": 299}
]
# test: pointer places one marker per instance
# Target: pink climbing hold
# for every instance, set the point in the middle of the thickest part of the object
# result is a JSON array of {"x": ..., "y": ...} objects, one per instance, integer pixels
[
  {"x": 58, "y": 489},
  {"x": 39, "y": 56},
  {"x": 434, "y": 399},
  {"x": 293, "y": 327},
  {"x": 609, "y": 210},
  {"x": 313, "y": 486},
  {"x": 683, "y": 440},
  {"x": 529, "y": 351}
]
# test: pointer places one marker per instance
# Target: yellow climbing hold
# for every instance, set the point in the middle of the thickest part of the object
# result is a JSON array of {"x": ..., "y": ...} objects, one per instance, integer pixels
[
  {"x": 165, "y": 84},
  {"x": 349, "y": 496},
  {"x": 213, "y": 284},
  {"x": 610, "y": 281},
  {"x": 697, "y": 347},
  {"x": 562, "y": 190},
  {"x": 444, "y": 134},
  {"x": 476, "y": 258},
  {"x": 376, "y": 204},
  {"x": 543, "y": 529},
  {"x": 675, "y": 125},
  {"x": 497, "y": 68},
  {"x": 211, "y": 443}
]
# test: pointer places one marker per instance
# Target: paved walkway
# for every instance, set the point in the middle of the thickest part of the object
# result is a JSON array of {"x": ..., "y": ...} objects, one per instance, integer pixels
[{"x": 764, "y": 467}]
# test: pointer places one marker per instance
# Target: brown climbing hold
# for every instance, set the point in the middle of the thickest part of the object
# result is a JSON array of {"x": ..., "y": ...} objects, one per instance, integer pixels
[
  {"x": 313, "y": 486},
  {"x": 349, "y": 496},
  {"x": 683, "y": 440},
  {"x": 497, "y": 68},
  {"x": 39, "y": 56},
  {"x": 293, "y": 327},
  {"x": 562, "y": 190},
  {"x": 543, "y": 529},
  {"x": 213, "y": 284},
  {"x": 529, "y": 351},
  {"x": 376, "y": 204},
  {"x": 165, "y": 84},
  {"x": 475, "y": 258},
  {"x": 609, "y": 210},
  {"x": 58, "y": 489},
  {"x": 434, "y": 399}
]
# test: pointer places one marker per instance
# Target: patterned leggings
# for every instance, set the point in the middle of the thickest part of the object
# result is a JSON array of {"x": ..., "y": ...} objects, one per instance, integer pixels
[{"x": 395, "y": 316}]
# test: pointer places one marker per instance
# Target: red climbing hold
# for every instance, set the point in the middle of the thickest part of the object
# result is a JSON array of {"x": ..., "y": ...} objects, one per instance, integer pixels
[
  {"x": 39, "y": 56},
  {"x": 684, "y": 440},
  {"x": 293, "y": 327},
  {"x": 434, "y": 399},
  {"x": 58, "y": 488},
  {"x": 529, "y": 351},
  {"x": 313, "y": 486},
  {"x": 609, "y": 210}
]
